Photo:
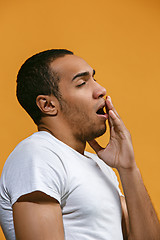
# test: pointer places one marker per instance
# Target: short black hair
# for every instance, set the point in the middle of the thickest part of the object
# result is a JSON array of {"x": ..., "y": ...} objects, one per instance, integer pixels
[{"x": 35, "y": 77}]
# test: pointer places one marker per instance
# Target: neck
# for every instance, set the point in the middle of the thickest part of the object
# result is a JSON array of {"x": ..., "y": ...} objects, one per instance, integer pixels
[{"x": 65, "y": 136}]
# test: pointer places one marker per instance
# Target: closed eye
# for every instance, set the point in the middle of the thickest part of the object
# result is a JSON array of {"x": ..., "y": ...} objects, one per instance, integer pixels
[{"x": 83, "y": 83}]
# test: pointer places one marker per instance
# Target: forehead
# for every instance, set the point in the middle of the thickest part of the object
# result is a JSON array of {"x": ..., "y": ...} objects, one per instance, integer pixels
[{"x": 69, "y": 65}]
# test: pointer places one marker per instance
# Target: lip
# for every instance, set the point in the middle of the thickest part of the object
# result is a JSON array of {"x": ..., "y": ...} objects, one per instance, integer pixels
[
  {"x": 104, "y": 116},
  {"x": 102, "y": 105}
]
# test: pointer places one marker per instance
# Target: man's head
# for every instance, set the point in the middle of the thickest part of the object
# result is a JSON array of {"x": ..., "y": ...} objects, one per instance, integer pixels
[
  {"x": 82, "y": 98},
  {"x": 59, "y": 91},
  {"x": 36, "y": 77}
]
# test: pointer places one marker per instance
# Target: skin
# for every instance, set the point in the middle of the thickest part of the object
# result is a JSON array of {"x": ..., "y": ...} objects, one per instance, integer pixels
[
  {"x": 79, "y": 104},
  {"x": 76, "y": 113}
]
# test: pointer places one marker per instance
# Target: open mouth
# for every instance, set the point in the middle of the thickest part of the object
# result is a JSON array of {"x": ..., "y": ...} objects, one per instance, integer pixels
[{"x": 101, "y": 111}]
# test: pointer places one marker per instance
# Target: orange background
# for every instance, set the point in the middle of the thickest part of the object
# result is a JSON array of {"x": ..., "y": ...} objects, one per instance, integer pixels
[{"x": 120, "y": 39}]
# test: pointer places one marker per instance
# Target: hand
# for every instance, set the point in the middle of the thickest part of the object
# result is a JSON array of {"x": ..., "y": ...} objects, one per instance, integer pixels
[{"x": 119, "y": 151}]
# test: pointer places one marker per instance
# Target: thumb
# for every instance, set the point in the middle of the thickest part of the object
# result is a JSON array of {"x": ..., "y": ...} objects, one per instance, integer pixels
[{"x": 94, "y": 144}]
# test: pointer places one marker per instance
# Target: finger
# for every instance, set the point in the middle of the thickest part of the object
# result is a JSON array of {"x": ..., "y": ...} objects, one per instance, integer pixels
[
  {"x": 110, "y": 120},
  {"x": 109, "y": 106},
  {"x": 113, "y": 115},
  {"x": 94, "y": 144},
  {"x": 113, "y": 119}
]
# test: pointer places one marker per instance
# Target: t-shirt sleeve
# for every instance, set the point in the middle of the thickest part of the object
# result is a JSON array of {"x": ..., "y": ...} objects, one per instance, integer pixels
[{"x": 36, "y": 168}]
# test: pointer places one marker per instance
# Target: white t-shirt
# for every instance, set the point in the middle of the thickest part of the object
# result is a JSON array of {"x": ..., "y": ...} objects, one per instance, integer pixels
[{"x": 86, "y": 188}]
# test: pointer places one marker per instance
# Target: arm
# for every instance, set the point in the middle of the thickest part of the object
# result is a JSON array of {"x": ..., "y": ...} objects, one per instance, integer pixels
[
  {"x": 142, "y": 223},
  {"x": 125, "y": 220},
  {"x": 142, "y": 220},
  {"x": 37, "y": 216}
]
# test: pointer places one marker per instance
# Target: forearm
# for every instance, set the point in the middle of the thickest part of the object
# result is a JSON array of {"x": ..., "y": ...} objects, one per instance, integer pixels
[{"x": 143, "y": 221}]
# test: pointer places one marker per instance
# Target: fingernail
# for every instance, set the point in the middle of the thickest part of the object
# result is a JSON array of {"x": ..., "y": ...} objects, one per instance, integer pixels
[{"x": 109, "y": 98}]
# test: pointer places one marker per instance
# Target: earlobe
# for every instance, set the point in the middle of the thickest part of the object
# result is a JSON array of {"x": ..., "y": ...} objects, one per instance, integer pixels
[{"x": 47, "y": 104}]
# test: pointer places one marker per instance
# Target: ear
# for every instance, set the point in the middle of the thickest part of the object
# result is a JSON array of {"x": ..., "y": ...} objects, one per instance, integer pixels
[{"x": 47, "y": 104}]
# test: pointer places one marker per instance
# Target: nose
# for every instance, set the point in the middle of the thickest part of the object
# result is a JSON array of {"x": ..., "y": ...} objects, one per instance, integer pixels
[{"x": 99, "y": 91}]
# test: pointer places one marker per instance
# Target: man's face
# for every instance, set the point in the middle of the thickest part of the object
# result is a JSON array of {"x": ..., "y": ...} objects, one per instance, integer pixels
[{"x": 82, "y": 97}]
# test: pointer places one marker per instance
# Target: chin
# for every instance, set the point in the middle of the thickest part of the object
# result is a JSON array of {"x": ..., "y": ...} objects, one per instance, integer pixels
[
  {"x": 101, "y": 132},
  {"x": 96, "y": 134}
]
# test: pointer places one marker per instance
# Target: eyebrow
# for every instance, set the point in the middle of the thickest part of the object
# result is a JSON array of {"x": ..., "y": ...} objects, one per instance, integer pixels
[{"x": 83, "y": 74}]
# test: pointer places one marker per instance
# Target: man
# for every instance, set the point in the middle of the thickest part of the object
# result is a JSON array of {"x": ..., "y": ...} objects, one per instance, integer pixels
[{"x": 51, "y": 188}]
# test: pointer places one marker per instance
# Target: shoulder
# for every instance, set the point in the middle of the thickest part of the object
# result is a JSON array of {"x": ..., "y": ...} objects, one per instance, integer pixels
[
  {"x": 34, "y": 165},
  {"x": 35, "y": 146},
  {"x": 36, "y": 153}
]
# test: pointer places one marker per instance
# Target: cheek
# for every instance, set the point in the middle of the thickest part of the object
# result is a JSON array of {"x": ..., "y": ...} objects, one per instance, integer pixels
[
  {"x": 73, "y": 100},
  {"x": 80, "y": 102}
]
